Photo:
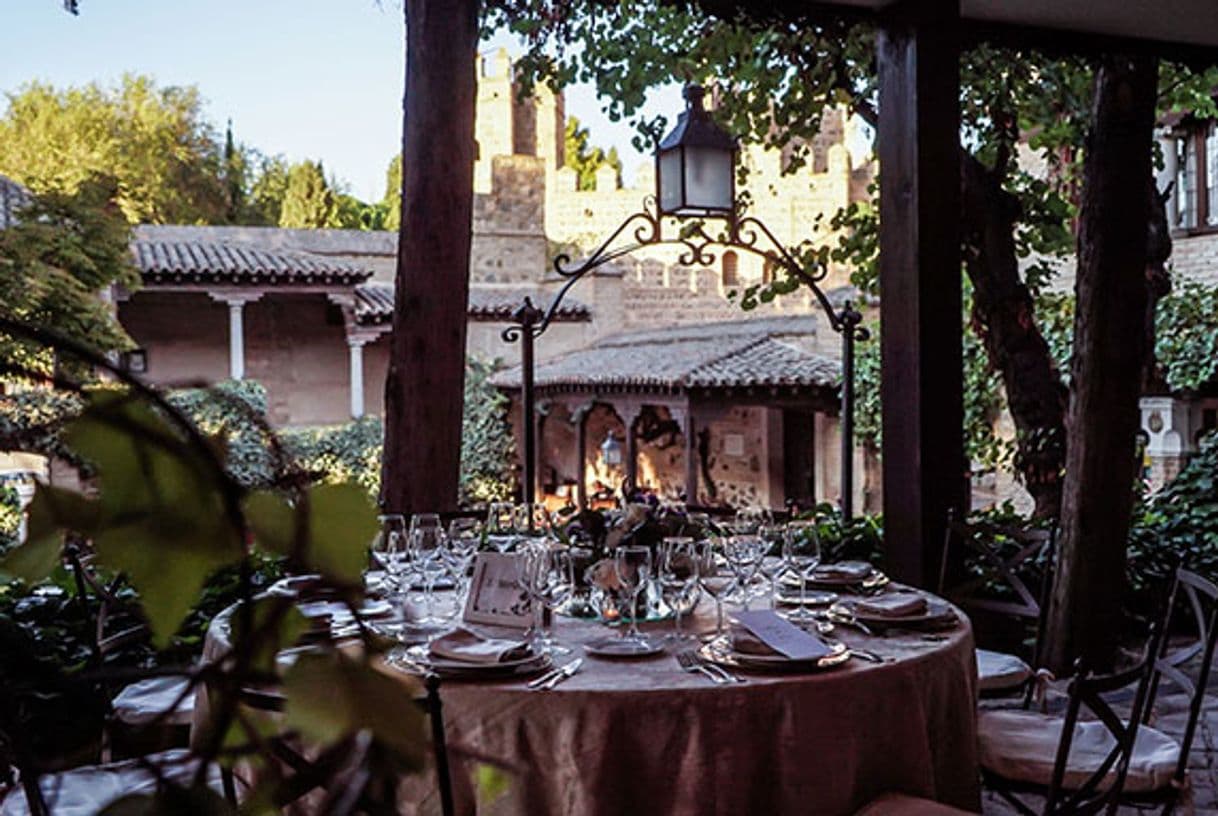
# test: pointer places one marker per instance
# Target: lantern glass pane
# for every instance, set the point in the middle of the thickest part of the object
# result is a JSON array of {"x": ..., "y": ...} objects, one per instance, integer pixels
[
  {"x": 708, "y": 178},
  {"x": 669, "y": 170}
]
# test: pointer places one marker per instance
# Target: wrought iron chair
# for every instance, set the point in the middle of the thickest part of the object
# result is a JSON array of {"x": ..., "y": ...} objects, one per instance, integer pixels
[
  {"x": 1079, "y": 765},
  {"x": 1000, "y": 673},
  {"x": 1201, "y": 597},
  {"x": 338, "y": 762}
]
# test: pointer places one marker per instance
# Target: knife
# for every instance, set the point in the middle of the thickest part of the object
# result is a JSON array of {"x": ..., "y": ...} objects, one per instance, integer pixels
[{"x": 563, "y": 673}]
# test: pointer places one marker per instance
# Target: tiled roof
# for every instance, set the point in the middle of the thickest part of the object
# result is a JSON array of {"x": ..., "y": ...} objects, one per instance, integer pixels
[
  {"x": 213, "y": 261},
  {"x": 12, "y": 197},
  {"x": 374, "y": 303},
  {"x": 736, "y": 354}
]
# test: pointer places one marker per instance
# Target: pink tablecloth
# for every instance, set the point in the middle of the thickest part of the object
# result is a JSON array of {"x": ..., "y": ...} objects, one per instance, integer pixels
[{"x": 643, "y": 737}]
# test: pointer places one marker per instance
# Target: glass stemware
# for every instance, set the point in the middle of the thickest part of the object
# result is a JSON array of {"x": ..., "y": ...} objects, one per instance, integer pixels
[
  {"x": 678, "y": 577},
  {"x": 773, "y": 564},
  {"x": 801, "y": 550},
  {"x": 501, "y": 526},
  {"x": 530, "y": 577},
  {"x": 464, "y": 539},
  {"x": 633, "y": 566},
  {"x": 428, "y": 548},
  {"x": 389, "y": 551},
  {"x": 716, "y": 581},
  {"x": 531, "y": 520},
  {"x": 749, "y": 520},
  {"x": 744, "y": 553},
  {"x": 556, "y": 583}
]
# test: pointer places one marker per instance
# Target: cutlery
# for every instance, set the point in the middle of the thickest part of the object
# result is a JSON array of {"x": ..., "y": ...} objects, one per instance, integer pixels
[
  {"x": 864, "y": 654},
  {"x": 849, "y": 619},
  {"x": 719, "y": 670},
  {"x": 690, "y": 663},
  {"x": 565, "y": 672},
  {"x": 541, "y": 680}
]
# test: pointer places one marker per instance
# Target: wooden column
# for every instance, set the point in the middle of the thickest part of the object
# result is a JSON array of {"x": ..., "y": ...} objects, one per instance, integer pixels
[
  {"x": 921, "y": 388},
  {"x": 630, "y": 416},
  {"x": 580, "y": 415},
  {"x": 690, "y": 432}
]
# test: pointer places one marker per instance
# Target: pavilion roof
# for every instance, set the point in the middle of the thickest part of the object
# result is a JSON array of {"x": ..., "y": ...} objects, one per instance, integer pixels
[
  {"x": 165, "y": 258},
  {"x": 374, "y": 303},
  {"x": 773, "y": 352}
]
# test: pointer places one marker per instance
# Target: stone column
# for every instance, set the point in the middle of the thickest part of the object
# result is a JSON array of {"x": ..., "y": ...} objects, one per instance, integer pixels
[
  {"x": 355, "y": 347},
  {"x": 236, "y": 328},
  {"x": 630, "y": 416}
]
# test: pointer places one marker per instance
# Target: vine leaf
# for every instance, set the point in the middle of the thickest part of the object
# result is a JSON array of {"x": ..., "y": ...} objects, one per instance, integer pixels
[
  {"x": 331, "y": 696},
  {"x": 328, "y": 530},
  {"x": 51, "y": 511}
]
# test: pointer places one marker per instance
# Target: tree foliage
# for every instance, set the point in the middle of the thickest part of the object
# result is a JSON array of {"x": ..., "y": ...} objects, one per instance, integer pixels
[
  {"x": 64, "y": 252},
  {"x": 308, "y": 200},
  {"x": 585, "y": 159}
]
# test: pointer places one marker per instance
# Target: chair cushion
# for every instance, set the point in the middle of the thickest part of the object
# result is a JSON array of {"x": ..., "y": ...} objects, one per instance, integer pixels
[
  {"x": 85, "y": 791},
  {"x": 898, "y": 804},
  {"x": 997, "y": 671},
  {"x": 142, "y": 702},
  {"x": 1022, "y": 746}
]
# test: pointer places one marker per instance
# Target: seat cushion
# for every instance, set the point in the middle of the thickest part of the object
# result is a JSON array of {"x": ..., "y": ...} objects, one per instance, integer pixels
[
  {"x": 85, "y": 791},
  {"x": 142, "y": 702},
  {"x": 898, "y": 804},
  {"x": 998, "y": 671},
  {"x": 1022, "y": 746}
]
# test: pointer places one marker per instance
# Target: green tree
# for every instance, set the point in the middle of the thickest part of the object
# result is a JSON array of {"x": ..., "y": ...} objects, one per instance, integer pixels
[
  {"x": 308, "y": 201},
  {"x": 265, "y": 200},
  {"x": 584, "y": 159},
  {"x": 64, "y": 251},
  {"x": 392, "y": 202},
  {"x": 154, "y": 140}
]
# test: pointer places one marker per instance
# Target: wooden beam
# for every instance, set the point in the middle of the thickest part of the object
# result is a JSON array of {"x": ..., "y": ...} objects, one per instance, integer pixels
[{"x": 920, "y": 338}]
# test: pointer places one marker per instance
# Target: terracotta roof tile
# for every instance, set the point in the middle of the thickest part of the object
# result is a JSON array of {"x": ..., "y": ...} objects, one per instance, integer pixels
[{"x": 374, "y": 303}]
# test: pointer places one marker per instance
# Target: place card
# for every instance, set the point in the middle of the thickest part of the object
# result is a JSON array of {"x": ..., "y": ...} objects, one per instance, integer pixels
[
  {"x": 495, "y": 598},
  {"x": 781, "y": 635}
]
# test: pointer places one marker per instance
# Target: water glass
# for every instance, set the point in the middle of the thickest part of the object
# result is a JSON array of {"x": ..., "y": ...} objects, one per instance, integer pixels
[
  {"x": 532, "y": 520},
  {"x": 801, "y": 551},
  {"x": 633, "y": 566},
  {"x": 773, "y": 564},
  {"x": 744, "y": 553},
  {"x": 464, "y": 539},
  {"x": 678, "y": 577},
  {"x": 556, "y": 584}
]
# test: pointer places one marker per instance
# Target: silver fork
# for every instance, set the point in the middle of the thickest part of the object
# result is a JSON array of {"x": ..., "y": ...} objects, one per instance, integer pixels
[{"x": 690, "y": 663}]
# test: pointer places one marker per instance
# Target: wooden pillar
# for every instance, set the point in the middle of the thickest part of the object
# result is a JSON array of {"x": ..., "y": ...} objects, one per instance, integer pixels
[
  {"x": 921, "y": 388},
  {"x": 580, "y": 415},
  {"x": 631, "y": 418},
  {"x": 690, "y": 432}
]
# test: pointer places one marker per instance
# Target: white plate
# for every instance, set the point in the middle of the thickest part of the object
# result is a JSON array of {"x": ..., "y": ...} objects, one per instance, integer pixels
[
  {"x": 937, "y": 613},
  {"x": 622, "y": 647},
  {"x": 417, "y": 661}
]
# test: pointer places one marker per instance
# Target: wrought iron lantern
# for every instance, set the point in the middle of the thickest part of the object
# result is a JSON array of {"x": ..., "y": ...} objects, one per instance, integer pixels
[
  {"x": 696, "y": 164},
  {"x": 611, "y": 451}
]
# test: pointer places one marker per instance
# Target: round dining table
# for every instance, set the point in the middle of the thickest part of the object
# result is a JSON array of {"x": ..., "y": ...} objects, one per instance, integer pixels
[{"x": 633, "y": 737}]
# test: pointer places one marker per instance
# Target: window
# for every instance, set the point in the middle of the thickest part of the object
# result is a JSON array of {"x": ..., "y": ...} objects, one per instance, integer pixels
[
  {"x": 1197, "y": 177},
  {"x": 731, "y": 270}
]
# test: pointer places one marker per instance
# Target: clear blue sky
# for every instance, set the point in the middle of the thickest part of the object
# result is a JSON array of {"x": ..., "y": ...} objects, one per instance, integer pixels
[{"x": 317, "y": 79}]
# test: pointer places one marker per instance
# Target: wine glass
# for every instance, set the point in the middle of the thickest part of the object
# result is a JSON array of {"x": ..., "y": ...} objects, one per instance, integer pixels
[
  {"x": 501, "y": 526},
  {"x": 773, "y": 564},
  {"x": 464, "y": 539},
  {"x": 744, "y": 553},
  {"x": 716, "y": 581},
  {"x": 678, "y": 577},
  {"x": 556, "y": 583},
  {"x": 749, "y": 519},
  {"x": 801, "y": 550},
  {"x": 633, "y": 567},
  {"x": 428, "y": 548},
  {"x": 389, "y": 551},
  {"x": 530, "y": 577}
]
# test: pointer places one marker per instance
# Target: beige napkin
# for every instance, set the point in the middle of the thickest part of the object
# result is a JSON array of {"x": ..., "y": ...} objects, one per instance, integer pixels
[
  {"x": 893, "y": 605},
  {"x": 467, "y": 647},
  {"x": 853, "y": 570}
]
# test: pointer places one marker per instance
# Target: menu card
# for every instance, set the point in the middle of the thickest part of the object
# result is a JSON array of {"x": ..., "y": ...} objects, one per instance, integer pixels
[
  {"x": 494, "y": 596},
  {"x": 781, "y": 635}
]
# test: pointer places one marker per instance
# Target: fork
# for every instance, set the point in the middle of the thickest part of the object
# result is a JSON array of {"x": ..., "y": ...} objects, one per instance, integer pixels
[{"x": 690, "y": 663}]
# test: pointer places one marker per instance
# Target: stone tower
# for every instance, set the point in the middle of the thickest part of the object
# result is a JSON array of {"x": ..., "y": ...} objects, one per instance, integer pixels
[{"x": 506, "y": 125}]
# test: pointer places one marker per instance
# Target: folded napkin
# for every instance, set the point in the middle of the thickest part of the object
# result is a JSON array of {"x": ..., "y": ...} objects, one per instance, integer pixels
[
  {"x": 763, "y": 632},
  {"x": 893, "y": 605},
  {"x": 467, "y": 647},
  {"x": 853, "y": 570}
]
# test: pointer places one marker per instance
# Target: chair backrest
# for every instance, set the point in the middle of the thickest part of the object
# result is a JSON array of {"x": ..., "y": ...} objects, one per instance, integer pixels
[
  {"x": 1201, "y": 596},
  {"x": 1087, "y": 690},
  {"x": 1001, "y": 552}
]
